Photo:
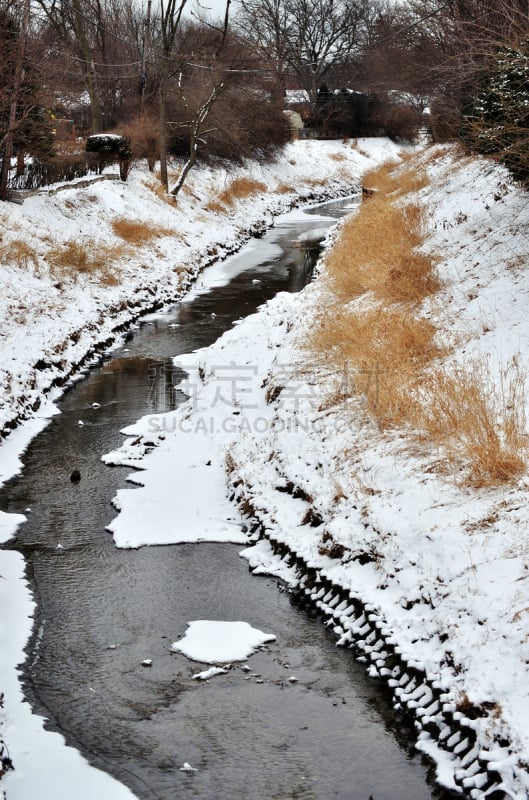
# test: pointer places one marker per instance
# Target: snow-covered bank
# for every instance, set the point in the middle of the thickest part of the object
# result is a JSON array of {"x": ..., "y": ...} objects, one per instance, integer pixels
[
  {"x": 439, "y": 567},
  {"x": 51, "y": 323},
  {"x": 53, "y": 315}
]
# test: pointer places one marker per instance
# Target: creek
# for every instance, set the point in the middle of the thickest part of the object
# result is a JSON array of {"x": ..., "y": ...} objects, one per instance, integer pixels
[{"x": 101, "y": 611}]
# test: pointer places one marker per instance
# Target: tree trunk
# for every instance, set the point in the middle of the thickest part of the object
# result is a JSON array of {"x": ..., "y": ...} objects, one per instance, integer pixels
[
  {"x": 17, "y": 85},
  {"x": 89, "y": 65},
  {"x": 163, "y": 135},
  {"x": 195, "y": 132}
]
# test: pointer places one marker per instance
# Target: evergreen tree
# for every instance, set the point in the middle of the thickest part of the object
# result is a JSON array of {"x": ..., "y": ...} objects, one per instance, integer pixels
[{"x": 497, "y": 120}]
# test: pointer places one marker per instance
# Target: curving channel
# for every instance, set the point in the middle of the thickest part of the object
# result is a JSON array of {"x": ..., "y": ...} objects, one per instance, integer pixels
[{"x": 102, "y": 611}]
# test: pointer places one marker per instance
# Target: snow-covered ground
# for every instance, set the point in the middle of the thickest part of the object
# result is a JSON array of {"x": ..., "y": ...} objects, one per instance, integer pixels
[
  {"x": 444, "y": 565},
  {"x": 49, "y": 319},
  {"x": 52, "y": 321}
]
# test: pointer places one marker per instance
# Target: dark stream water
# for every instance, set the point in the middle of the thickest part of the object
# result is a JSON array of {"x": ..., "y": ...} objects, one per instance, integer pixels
[{"x": 102, "y": 611}]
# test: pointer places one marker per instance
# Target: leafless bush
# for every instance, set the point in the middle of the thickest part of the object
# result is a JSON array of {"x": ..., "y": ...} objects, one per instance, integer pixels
[
  {"x": 144, "y": 136},
  {"x": 401, "y": 123}
]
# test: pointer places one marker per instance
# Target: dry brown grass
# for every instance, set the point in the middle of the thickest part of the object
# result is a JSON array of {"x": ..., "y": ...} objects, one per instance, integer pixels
[
  {"x": 216, "y": 207},
  {"x": 138, "y": 233},
  {"x": 478, "y": 425},
  {"x": 18, "y": 252},
  {"x": 377, "y": 354},
  {"x": 316, "y": 181},
  {"x": 377, "y": 253},
  {"x": 387, "y": 353},
  {"x": 285, "y": 188},
  {"x": 390, "y": 179},
  {"x": 73, "y": 258},
  {"x": 432, "y": 155},
  {"x": 158, "y": 189},
  {"x": 239, "y": 189}
]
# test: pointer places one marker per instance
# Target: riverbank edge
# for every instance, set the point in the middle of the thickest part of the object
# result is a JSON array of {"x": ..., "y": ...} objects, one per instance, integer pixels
[
  {"x": 149, "y": 298},
  {"x": 441, "y": 730},
  {"x": 451, "y": 732}
]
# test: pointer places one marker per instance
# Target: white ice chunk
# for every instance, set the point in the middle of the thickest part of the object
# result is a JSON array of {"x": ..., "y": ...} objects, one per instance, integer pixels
[{"x": 214, "y": 642}]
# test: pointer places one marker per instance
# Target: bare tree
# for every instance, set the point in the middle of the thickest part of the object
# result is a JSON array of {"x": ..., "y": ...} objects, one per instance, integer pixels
[
  {"x": 178, "y": 45},
  {"x": 101, "y": 42},
  {"x": 306, "y": 38},
  {"x": 467, "y": 34},
  {"x": 170, "y": 20},
  {"x": 219, "y": 107},
  {"x": 197, "y": 130}
]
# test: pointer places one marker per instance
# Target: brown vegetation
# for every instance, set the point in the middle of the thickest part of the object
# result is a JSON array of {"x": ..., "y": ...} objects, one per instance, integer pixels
[
  {"x": 240, "y": 188},
  {"x": 138, "y": 233},
  {"x": 18, "y": 252},
  {"x": 477, "y": 425},
  {"x": 376, "y": 354},
  {"x": 73, "y": 258},
  {"x": 385, "y": 354},
  {"x": 377, "y": 251}
]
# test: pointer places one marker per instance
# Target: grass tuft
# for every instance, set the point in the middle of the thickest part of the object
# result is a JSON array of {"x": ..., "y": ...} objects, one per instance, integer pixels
[
  {"x": 18, "y": 252},
  {"x": 285, "y": 188},
  {"x": 477, "y": 424},
  {"x": 394, "y": 180},
  {"x": 377, "y": 353},
  {"x": 138, "y": 233},
  {"x": 389, "y": 264},
  {"x": 158, "y": 189},
  {"x": 239, "y": 189},
  {"x": 216, "y": 207},
  {"x": 73, "y": 258}
]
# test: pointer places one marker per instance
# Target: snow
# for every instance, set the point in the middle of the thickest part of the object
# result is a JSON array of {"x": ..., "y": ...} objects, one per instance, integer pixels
[
  {"x": 444, "y": 565},
  {"x": 186, "y": 767},
  {"x": 206, "y": 674},
  {"x": 262, "y": 561},
  {"x": 45, "y": 767},
  {"x": 50, "y": 321},
  {"x": 220, "y": 642},
  {"x": 448, "y": 570},
  {"x": 204, "y": 512}
]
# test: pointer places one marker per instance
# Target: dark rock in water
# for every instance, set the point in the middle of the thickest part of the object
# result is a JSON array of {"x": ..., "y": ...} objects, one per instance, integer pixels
[{"x": 75, "y": 477}]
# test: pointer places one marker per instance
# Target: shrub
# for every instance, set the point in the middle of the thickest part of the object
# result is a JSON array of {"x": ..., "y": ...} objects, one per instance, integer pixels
[
  {"x": 54, "y": 170},
  {"x": 497, "y": 120},
  {"x": 401, "y": 123},
  {"x": 144, "y": 137},
  {"x": 243, "y": 123}
]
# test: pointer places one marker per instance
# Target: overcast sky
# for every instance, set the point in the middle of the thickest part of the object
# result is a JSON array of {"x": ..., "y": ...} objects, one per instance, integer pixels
[
  {"x": 217, "y": 8},
  {"x": 212, "y": 7}
]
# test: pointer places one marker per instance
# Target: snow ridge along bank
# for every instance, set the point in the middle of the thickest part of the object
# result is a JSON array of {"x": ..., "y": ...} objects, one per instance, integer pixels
[
  {"x": 56, "y": 316},
  {"x": 424, "y": 573},
  {"x": 56, "y": 319}
]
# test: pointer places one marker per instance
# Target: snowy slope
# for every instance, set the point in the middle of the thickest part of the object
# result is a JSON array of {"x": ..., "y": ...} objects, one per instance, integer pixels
[
  {"x": 52, "y": 321},
  {"x": 442, "y": 564},
  {"x": 51, "y": 317}
]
